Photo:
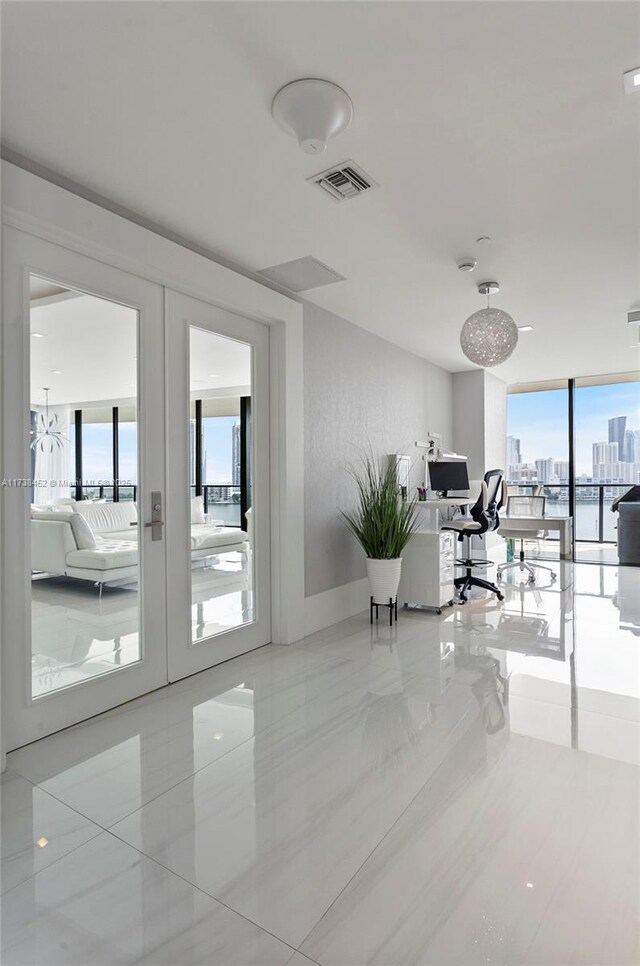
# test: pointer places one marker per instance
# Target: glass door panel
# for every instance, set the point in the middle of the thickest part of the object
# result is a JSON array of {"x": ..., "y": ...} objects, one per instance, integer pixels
[
  {"x": 84, "y": 623},
  {"x": 85, "y": 618},
  {"x": 219, "y": 485},
  {"x": 220, "y": 499}
]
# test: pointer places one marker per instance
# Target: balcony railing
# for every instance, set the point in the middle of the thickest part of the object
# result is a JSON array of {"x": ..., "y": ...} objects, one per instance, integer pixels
[
  {"x": 221, "y": 500},
  {"x": 122, "y": 492},
  {"x": 593, "y": 521}
]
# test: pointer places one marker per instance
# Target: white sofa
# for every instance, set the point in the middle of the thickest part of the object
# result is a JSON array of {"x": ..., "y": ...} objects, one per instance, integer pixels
[{"x": 99, "y": 541}]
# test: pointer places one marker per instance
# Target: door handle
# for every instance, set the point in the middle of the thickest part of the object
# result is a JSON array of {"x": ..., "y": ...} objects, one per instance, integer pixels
[{"x": 157, "y": 522}]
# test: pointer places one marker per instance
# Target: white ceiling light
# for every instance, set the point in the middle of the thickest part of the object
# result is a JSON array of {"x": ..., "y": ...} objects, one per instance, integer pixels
[
  {"x": 489, "y": 336},
  {"x": 313, "y": 111},
  {"x": 631, "y": 81},
  {"x": 525, "y": 328}
]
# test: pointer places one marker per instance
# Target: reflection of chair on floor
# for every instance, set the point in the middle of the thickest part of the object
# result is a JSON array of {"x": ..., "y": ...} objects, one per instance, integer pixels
[
  {"x": 490, "y": 687},
  {"x": 524, "y": 506}
]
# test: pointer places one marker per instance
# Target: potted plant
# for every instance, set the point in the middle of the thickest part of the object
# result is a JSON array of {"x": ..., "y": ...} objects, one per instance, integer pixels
[{"x": 382, "y": 523}]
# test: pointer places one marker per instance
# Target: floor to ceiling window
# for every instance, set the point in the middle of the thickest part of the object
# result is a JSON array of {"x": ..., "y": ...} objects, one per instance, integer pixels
[
  {"x": 538, "y": 452},
  {"x": 579, "y": 440},
  {"x": 607, "y": 457}
]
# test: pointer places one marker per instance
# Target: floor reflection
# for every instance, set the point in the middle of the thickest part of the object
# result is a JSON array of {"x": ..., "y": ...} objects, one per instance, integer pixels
[
  {"x": 452, "y": 789},
  {"x": 79, "y": 633}
]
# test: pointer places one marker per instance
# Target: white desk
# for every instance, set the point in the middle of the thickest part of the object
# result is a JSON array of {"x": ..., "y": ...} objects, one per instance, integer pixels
[
  {"x": 562, "y": 524},
  {"x": 428, "y": 510}
]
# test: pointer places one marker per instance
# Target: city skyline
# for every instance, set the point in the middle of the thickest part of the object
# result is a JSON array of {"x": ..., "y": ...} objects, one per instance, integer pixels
[{"x": 540, "y": 421}]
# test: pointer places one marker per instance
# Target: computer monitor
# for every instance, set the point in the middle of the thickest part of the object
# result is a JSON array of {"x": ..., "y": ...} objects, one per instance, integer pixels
[{"x": 444, "y": 476}]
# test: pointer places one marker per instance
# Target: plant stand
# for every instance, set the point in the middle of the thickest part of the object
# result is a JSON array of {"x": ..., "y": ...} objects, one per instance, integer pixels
[{"x": 392, "y": 605}]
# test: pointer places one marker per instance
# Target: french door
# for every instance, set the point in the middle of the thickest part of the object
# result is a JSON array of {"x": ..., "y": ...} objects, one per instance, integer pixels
[
  {"x": 126, "y": 564},
  {"x": 218, "y": 589}
]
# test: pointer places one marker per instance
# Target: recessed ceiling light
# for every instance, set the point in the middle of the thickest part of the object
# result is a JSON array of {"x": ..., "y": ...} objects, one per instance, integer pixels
[
  {"x": 37, "y": 335},
  {"x": 631, "y": 80},
  {"x": 213, "y": 375},
  {"x": 56, "y": 372},
  {"x": 42, "y": 842},
  {"x": 525, "y": 328}
]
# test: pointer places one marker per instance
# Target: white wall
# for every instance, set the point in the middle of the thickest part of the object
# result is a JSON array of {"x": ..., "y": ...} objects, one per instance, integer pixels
[
  {"x": 360, "y": 391},
  {"x": 480, "y": 420}
]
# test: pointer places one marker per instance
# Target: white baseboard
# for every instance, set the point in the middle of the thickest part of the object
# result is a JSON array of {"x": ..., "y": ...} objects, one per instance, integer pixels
[{"x": 335, "y": 605}]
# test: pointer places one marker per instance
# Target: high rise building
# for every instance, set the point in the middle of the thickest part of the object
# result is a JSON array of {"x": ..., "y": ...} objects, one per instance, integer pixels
[
  {"x": 514, "y": 453},
  {"x": 561, "y": 470},
  {"x": 236, "y": 462},
  {"x": 544, "y": 470},
  {"x": 604, "y": 454},
  {"x": 632, "y": 446},
  {"x": 617, "y": 429}
]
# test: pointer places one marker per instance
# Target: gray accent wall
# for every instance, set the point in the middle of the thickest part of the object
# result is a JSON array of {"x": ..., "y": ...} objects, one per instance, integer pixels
[{"x": 360, "y": 391}]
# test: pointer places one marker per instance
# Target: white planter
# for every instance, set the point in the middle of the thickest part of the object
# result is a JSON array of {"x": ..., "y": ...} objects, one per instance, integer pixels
[{"x": 384, "y": 579}]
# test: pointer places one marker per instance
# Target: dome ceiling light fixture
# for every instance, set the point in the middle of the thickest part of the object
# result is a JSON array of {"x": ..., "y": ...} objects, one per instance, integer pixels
[
  {"x": 313, "y": 111},
  {"x": 489, "y": 336}
]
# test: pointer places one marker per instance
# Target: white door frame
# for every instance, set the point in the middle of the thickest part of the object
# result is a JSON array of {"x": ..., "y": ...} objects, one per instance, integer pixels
[
  {"x": 29, "y": 719},
  {"x": 181, "y": 313},
  {"x": 54, "y": 214}
]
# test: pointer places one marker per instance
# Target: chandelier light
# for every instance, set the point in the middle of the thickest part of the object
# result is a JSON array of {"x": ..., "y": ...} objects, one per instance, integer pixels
[
  {"x": 47, "y": 433},
  {"x": 489, "y": 336}
]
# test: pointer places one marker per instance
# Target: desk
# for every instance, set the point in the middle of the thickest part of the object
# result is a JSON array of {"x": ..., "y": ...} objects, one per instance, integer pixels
[
  {"x": 562, "y": 524},
  {"x": 428, "y": 510}
]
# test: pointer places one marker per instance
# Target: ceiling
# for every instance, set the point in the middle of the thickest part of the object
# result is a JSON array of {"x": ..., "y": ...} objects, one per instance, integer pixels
[
  {"x": 476, "y": 118},
  {"x": 86, "y": 352}
]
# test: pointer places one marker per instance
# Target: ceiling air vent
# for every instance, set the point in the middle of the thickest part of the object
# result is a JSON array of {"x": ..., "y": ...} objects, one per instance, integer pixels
[
  {"x": 343, "y": 181},
  {"x": 302, "y": 274}
]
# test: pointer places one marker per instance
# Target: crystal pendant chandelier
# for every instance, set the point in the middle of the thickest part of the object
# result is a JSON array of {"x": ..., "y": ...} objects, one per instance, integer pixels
[
  {"x": 47, "y": 433},
  {"x": 489, "y": 336}
]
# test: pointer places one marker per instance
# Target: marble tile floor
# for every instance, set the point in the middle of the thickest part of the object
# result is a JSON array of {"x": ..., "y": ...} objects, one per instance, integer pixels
[
  {"x": 460, "y": 789},
  {"x": 79, "y": 634}
]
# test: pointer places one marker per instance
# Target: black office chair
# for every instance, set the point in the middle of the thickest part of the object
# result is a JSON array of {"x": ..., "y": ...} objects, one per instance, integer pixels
[{"x": 484, "y": 517}]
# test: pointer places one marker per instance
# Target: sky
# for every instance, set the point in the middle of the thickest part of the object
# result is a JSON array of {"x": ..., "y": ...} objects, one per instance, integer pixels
[
  {"x": 540, "y": 420},
  {"x": 218, "y": 448},
  {"x": 96, "y": 450}
]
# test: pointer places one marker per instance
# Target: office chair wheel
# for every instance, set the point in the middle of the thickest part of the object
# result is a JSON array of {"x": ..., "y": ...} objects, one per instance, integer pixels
[
  {"x": 500, "y": 596},
  {"x": 531, "y": 579},
  {"x": 438, "y": 610},
  {"x": 498, "y": 575}
]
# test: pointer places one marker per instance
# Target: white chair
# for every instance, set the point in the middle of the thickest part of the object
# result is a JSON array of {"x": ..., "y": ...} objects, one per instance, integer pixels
[{"x": 523, "y": 506}]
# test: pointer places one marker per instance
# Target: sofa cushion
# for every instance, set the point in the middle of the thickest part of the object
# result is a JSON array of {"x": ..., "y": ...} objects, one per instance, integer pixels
[
  {"x": 108, "y": 517},
  {"x": 82, "y": 532},
  {"x": 204, "y": 536},
  {"x": 197, "y": 510},
  {"x": 106, "y": 555}
]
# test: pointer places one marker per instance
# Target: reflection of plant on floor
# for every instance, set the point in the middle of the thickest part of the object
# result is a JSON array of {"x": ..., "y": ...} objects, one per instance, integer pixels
[{"x": 388, "y": 727}]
